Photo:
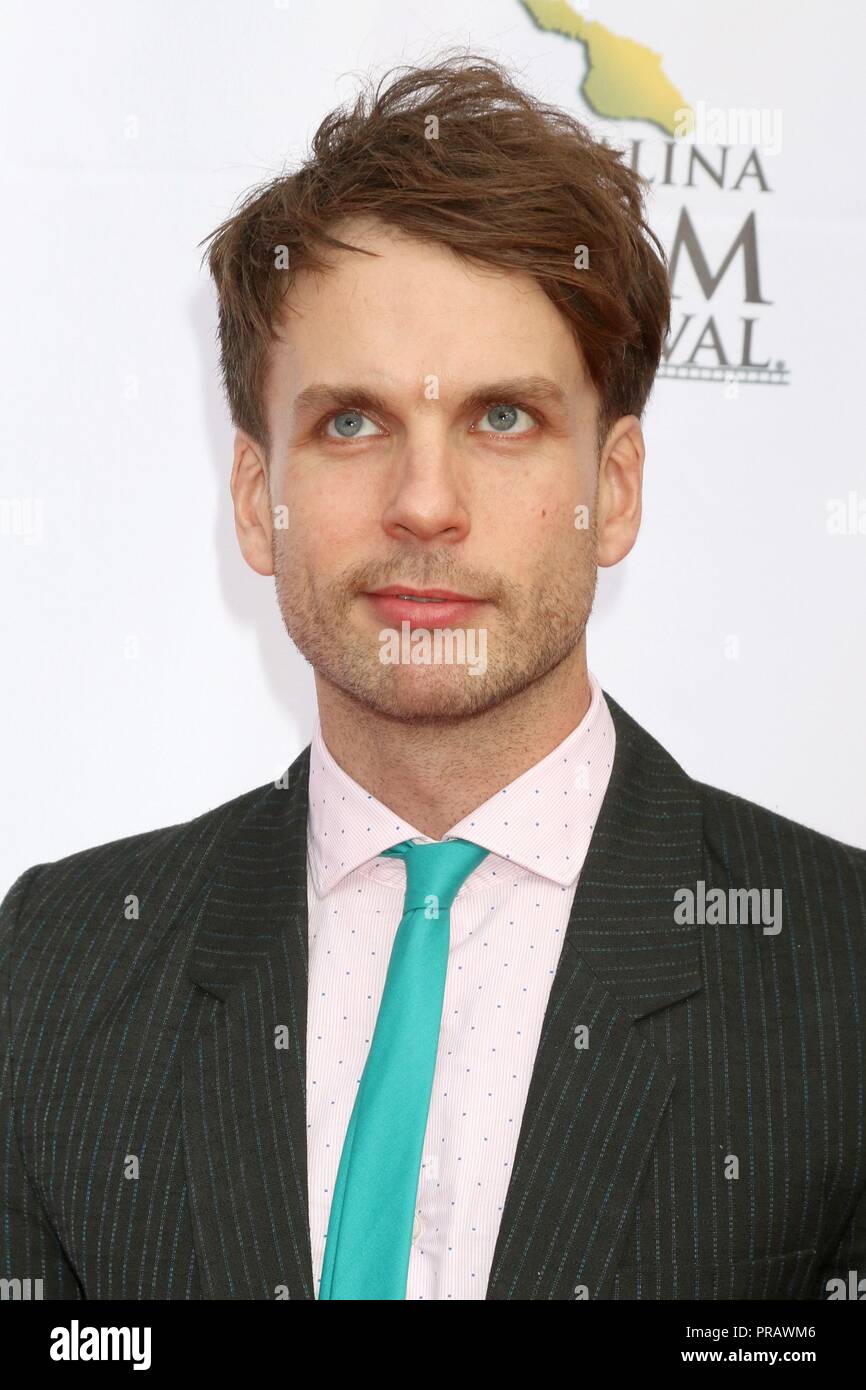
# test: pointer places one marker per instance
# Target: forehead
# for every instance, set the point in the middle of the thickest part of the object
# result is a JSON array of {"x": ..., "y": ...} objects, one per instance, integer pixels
[{"x": 413, "y": 309}]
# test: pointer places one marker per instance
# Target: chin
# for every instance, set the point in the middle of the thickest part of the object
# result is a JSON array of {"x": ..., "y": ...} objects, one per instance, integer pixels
[{"x": 413, "y": 695}]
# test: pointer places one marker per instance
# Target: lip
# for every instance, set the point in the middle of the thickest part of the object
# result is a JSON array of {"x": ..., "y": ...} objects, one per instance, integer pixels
[
  {"x": 397, "y": 589},
  {"x": 450, "y": 610}
]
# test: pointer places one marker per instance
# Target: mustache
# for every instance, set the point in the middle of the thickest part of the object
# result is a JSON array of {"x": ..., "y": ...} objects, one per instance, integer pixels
[{"x": 437, "y": 574}]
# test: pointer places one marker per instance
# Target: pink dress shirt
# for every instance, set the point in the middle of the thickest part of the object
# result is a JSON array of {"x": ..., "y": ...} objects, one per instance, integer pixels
[{"x": 508, "y": 923}]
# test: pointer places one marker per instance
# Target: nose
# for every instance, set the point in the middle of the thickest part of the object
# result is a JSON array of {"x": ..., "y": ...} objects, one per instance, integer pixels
[{"x": 427, "y": 501}]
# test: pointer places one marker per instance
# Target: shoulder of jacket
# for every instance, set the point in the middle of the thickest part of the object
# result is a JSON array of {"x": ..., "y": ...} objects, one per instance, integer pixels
[
  {"x": 733, "y": 825},
  {"x": 169, "y": 862}
]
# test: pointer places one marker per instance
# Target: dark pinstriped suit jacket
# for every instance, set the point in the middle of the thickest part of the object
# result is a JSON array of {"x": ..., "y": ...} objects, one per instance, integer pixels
[{"x": 154, "y": 1039}]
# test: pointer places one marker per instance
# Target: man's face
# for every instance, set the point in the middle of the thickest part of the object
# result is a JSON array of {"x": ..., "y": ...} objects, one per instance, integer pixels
[{"x": 432, "y": 428}]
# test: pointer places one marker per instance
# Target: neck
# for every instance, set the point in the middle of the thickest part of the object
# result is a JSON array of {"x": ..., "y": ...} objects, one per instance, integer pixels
[{"x": 402, "y": 764}]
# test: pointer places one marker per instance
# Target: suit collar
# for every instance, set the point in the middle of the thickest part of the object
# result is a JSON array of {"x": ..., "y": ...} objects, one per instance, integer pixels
[
  {"x": 648, "y": 842},
  {"x": 243, "y": 1075},
  {"x": 253, "y": 899},
  {"x": 591, "y": 1113}
]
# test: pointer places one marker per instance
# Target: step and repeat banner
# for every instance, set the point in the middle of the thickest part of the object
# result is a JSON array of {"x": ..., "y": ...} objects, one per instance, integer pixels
[{"x": 147, "y": 673}]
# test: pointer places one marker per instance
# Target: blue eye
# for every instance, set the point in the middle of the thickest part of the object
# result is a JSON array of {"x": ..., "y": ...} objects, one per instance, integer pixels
[
  {"x": 349, "y": 424},
  {"x": 502, "y": 419}
]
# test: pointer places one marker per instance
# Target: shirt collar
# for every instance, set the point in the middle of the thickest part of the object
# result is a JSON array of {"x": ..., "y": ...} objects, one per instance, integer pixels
[{"x": 542, "y": 821}]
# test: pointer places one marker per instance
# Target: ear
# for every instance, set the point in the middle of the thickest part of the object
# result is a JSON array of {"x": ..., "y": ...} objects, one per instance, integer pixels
[
  {"x": 620, "y": 481},
  {"x": 251, "y": 497}
]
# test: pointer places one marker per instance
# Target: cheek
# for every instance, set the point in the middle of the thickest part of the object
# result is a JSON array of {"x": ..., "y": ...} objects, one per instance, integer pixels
[
  {"x": 543, "y": 530},
  {"x": 332, "y": 520}
]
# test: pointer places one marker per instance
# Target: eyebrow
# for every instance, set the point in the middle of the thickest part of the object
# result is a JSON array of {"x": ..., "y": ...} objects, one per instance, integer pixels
[{"x": 333, "y": 395}]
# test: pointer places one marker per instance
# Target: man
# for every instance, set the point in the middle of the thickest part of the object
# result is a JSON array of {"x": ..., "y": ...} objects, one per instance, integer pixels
[{"x": 485, "y": 997}]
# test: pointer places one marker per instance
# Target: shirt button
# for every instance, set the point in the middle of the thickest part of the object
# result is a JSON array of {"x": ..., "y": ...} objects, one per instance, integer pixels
[{"x": 416, "y": 1228}]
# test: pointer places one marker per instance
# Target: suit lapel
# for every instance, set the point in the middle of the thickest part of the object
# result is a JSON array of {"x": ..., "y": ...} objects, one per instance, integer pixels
[
  {"x": 592, "y": 1113},
  {"x": 244, "y": 1106}
]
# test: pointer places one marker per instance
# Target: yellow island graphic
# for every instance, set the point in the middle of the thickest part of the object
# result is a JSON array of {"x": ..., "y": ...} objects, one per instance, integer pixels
[{"x": 624, "y": 79}]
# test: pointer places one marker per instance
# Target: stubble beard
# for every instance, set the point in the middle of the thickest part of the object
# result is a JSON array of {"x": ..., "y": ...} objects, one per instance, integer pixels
[{"x": 528, "y": 635}]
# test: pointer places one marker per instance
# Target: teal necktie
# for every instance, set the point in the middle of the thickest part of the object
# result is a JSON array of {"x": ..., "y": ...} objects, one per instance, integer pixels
[{"x": 373, "y": 1209}]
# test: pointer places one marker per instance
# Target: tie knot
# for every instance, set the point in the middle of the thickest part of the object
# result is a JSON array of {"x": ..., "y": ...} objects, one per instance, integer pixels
[{"x": 436, "y": 869}]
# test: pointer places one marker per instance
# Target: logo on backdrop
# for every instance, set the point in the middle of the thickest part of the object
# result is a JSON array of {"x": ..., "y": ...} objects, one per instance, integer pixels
[{"x": 720, "y": 330}]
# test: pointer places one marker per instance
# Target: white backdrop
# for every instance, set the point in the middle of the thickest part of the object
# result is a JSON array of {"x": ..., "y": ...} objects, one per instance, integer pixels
[{"x": 147, "y": 673}]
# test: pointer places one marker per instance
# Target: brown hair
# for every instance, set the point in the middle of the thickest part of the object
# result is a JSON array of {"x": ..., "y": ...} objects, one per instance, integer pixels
[{"x": 506, "y": 180}]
